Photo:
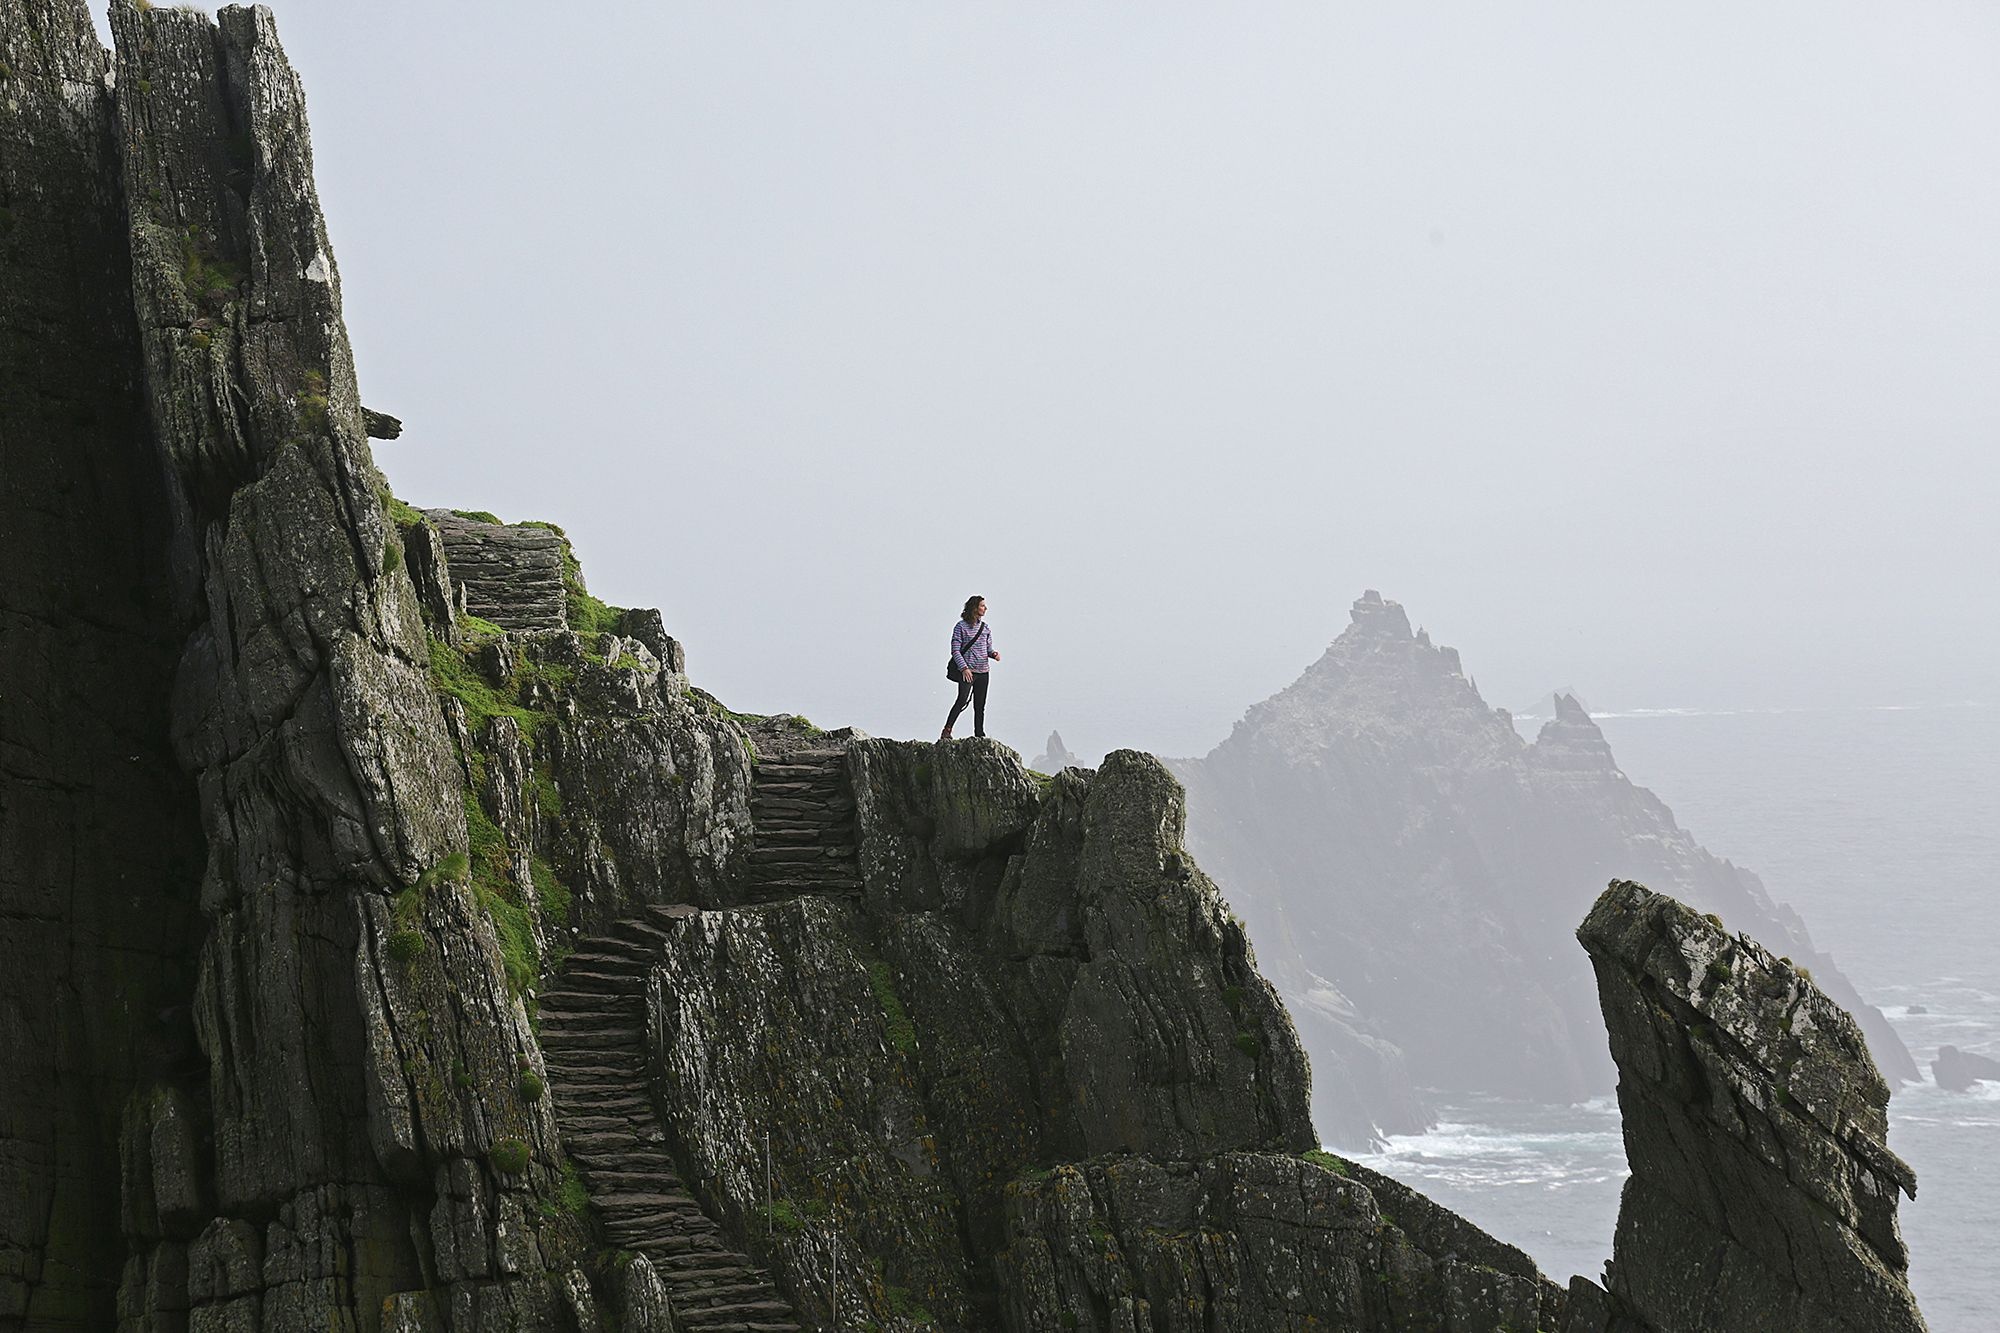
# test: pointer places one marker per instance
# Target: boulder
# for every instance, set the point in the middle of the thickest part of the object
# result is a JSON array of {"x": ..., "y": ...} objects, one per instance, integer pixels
[
  {"x": 1957, "y": 1071},
  {"x": 1763, "y": 1192}
]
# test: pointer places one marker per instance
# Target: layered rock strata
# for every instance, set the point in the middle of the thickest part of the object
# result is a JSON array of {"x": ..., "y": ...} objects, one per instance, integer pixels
[{"x": 1763, "y": 1193}]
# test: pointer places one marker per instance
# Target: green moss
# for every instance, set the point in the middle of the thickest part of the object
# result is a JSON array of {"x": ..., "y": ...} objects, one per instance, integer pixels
[
  {"x": 902, "y": 1032},
  {"x": 1321, "y": 1158},
  {"x": 478, "y": 627},
  {"x": 548, "y": 796},
  {"x": 405, "y": 945},
  {"x": 550, "y": 893},
  {"x": 1247, "y": 1043},
  {"x": 453, "y": 673},
  {"x": 211, "y": 284},
  {"x": 479, "y": 516},
  {"x": 461, "y": 1077},
  {"x": 1713, "y": 920},
  {"x": 400, "y": 512},
  {"x": 781, "y": 1218},
  {"x": 1718, "y": 970},
  {"x": 509, "y": 1156},
  {"x": 588, "y": 615},
  {"x": 571, "y": 1196},
  {"x": 392, "y": 555},
  {"x": 904, "y": 1306},
  {"x": 532, "y": 1087}
]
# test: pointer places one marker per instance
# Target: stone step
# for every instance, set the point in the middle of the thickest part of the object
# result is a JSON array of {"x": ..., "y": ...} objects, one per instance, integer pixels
[
  {"x": 630, "y": 1199},
  {"x": 609, "y": 946},
  {"x": 732, "y": 1316},
  {"x": 572, "y": 1024},
  {"x": 583, "y": 1110},
  {"x": 793, "y": 805},
  {"x": 589, "y": 973},
  {"x": 599, "y": 1079},
  {"x": 772, "y": 890},
  {"x": 608, "y": 980},
  {"x": 574, "y": 1000},
  {"x": 773, "y": 834},
  {"x": 809, "y": 852}
]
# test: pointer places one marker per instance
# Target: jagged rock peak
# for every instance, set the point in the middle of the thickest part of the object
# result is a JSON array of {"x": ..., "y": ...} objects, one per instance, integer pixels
[
  {"x": 1055, "y": 756},
  {"x": 1373, "y": 615},
  {"x": 1762, "y": 1194}
]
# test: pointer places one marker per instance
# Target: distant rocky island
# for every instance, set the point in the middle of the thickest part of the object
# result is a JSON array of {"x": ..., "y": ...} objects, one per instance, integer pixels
[
  {"x": 1411, "y": 869},
  {"x": 397, "y": 939}
]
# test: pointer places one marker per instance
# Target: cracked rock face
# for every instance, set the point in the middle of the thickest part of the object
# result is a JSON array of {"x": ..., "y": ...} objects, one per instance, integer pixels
[{"x": 1763, "y": 1193}]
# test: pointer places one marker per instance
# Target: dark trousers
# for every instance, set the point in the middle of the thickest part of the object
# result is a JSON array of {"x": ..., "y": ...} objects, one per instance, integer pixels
[{"x": 975, "y": 690}]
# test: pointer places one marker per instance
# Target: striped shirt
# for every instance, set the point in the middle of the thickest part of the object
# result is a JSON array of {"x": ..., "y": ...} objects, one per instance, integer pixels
[{"x": 970, "y": 644}]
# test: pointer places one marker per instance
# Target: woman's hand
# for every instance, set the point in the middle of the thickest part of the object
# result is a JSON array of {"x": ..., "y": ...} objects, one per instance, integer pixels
[
  {"x": 990, "y": 653},
  {"x": 967, "y": 675}
]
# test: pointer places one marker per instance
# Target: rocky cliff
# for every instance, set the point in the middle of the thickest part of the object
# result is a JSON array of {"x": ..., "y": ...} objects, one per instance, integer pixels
[
  {"x": 397, "y": 939},
  {"x": 1763, "y": 1192},
  {"x": 1381, "y": 828}
]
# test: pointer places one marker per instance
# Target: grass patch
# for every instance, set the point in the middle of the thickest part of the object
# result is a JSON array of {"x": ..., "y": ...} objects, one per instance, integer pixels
[
  {"x": 406, "y": 945},
  {"x": 781, "y": 1218},
  {"x": 479, "y": 516},
  {"x": 478, "y": 627},
  {"x": 1320, "y": 1157},
  {"x": 532, "y": 1086},
  {"x": 211, "y": 284},
  {"x": 904, "y": 1306},
  {"x": 1247, "y": 1043},
  {"x": 399, "y": 512},
  {"x": 453, "y": 673},
  {"x": 902, "y": 1032},
  {"x": 509, "y": 1156},
  {"x": 571, "y": 1195},
  {"x": 551, "y": 894}
]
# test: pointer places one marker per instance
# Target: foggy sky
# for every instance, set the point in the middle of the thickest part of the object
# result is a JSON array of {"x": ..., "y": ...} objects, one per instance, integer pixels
[{"x": 1650, "y": 352}]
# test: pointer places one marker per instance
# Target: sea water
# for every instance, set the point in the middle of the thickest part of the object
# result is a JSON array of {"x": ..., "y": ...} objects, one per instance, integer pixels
[{"x": 1882, "y": 827}]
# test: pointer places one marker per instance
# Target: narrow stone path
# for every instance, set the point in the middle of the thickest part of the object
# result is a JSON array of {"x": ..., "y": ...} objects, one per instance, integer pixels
[
  {"x": 802, "y": 827},
  {"x": 593, "y": 1031}
]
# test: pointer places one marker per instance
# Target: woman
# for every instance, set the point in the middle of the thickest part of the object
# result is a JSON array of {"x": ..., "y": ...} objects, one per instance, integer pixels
[{"x": 971, "y": 650}]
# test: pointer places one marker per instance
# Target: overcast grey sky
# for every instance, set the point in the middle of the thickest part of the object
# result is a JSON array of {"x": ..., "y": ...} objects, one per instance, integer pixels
[{"x": 1646, "y": 349}]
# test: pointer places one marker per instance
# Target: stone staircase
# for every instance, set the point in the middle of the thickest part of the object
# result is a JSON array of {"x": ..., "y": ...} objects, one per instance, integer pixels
[
  {"x": 593, "y": 1029},
  {"x": 802, "y": 827}
]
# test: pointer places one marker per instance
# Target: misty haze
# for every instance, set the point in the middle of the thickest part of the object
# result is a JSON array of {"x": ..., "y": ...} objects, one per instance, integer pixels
[{"x": 1467, "y": 536}]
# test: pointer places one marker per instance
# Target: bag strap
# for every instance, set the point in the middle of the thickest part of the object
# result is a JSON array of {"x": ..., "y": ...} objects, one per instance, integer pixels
[{"x": 977, "y": 630}]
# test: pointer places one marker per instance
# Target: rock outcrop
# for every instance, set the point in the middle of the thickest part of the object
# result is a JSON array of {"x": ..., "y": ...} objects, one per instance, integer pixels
[
  {"x": 371, "y": 963},
  {"x": 1956, "y": 1070},
  {"x": 1380, "y": 827},
  {"x": 1763, "y": 1193}
]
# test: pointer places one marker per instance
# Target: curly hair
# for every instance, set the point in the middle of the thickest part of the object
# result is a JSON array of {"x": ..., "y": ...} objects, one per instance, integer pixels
[{"x": 971, "y": 606}]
